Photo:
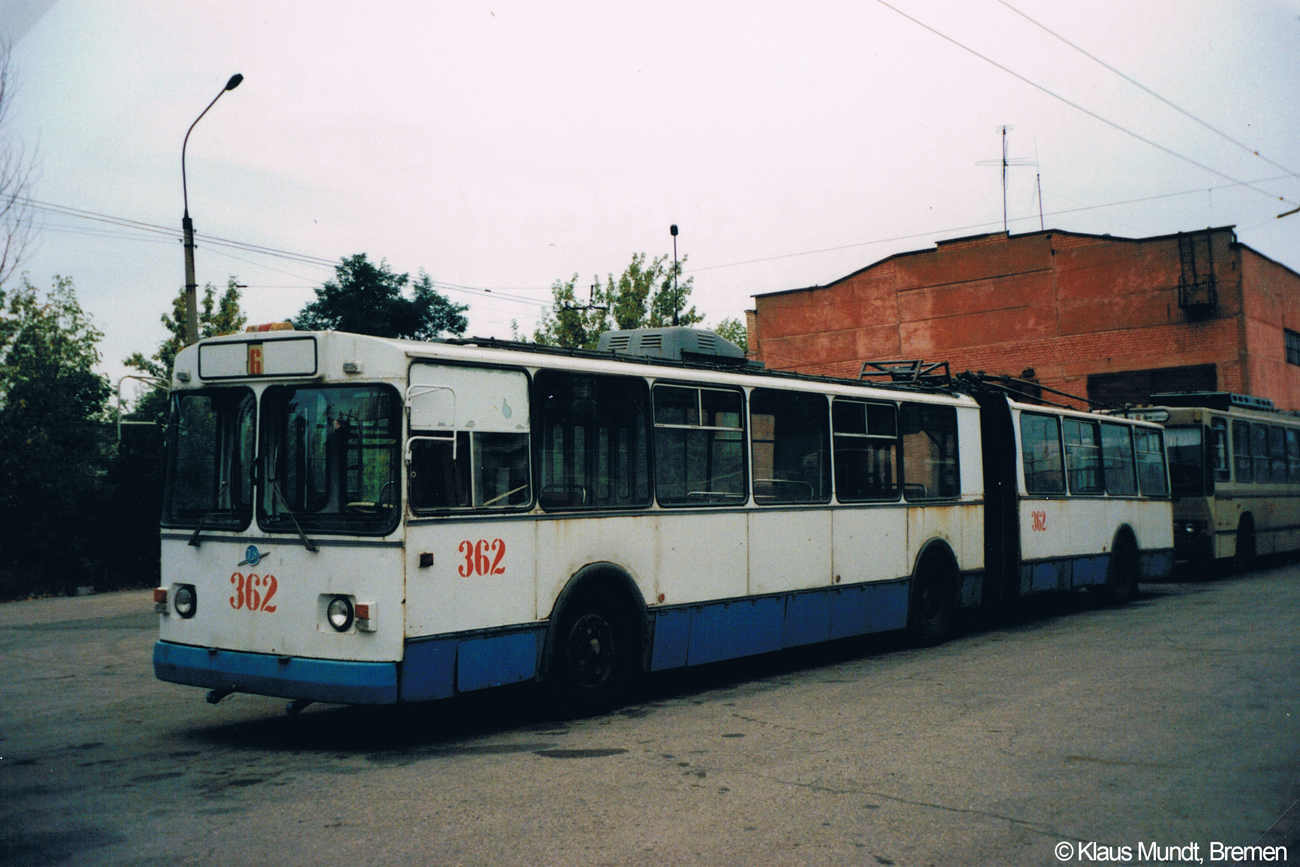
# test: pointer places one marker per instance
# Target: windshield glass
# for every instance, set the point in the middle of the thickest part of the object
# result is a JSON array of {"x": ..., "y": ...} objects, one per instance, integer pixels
[
  {"x": 331, "y": 459},
  {"x": 1186, "y": 460},
  {"x": 210, "y": 438}
]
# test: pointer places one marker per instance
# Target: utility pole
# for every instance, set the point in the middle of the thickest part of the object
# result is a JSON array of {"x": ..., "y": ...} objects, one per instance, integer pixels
[
  {"x": 187, "y": 226},
  {"x": 677, "y": 298}
]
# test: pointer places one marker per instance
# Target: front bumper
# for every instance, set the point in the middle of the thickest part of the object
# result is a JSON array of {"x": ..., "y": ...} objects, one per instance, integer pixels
[{"x": 327, "y": 680}]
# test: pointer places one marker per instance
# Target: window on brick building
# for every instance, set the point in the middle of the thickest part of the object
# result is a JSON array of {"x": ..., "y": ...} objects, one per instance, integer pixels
[{"x": 1292, "y": 346}]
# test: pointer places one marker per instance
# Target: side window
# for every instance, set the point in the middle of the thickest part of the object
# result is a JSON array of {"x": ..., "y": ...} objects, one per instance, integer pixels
[
  {"x": 592, "y": 446},
  {"x": 866, "y": 450},
  {"x": 1293, "y": 454},
  {"x": 1241, "y": 463},
  {"x": 1219, "y": 449},
  {"x": 929, "y": 435},
  {"x": 699, "y": 446},
  {"x": 1259, "y": 451},
  {"x": 1082, "y": 456},
  {"x": 1040, "y": 449},
  {"x": 1117, "y": 457},
  {"x": 1153, "y": 478},
  {"x": 790, "y": 433},
  {"x": 482, "y": 471},
  {"x": 468, "y": 447},
  {"x": 1277, "y": 468}
]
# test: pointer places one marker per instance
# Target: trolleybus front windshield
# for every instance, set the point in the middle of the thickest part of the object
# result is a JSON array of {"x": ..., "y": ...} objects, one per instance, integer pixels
[
  {"x": 1186, "y": 461},
  {"x": 210, "y": 459},
  {"x": 330, "y": 458}
]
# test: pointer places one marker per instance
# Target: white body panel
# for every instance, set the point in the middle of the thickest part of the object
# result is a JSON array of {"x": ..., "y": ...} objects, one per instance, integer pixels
[
  {"x": 455, "y": 593},
  {"x": 870, "y": 544},
  {"x": 789, "y": 550},
  {"x": 296, "y": 626}
]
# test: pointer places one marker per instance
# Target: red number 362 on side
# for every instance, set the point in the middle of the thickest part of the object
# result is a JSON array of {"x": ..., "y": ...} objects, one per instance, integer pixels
[{"x": 482, "y": 557}]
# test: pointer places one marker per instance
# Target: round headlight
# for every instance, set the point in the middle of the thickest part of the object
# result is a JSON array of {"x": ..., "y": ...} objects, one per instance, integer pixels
[
  {"x": 185, "y": 600},
  {"x": 339, "y": 613}
]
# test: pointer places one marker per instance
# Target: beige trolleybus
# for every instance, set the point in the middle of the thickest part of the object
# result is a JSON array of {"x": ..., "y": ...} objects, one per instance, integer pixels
[
  {"x": 1235, "y": 465},
  {"x": 361, "y": 520}
]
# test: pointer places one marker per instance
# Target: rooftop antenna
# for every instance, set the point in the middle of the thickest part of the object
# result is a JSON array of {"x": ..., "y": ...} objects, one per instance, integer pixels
[
  {"x": 1038, "y": 181},
  {"x": 1004, "y": 162}
]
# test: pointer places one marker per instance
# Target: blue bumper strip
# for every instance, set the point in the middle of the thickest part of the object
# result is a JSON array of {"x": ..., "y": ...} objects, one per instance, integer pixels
[{"x": 327, "y": 680}]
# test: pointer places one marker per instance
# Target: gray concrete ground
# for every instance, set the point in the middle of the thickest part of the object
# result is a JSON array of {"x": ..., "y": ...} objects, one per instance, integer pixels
[{"x": 1060, "y": 739}]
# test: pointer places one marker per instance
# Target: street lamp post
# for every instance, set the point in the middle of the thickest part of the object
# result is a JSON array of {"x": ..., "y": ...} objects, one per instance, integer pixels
[
  {"x": 677, "y": 298},
  {"x": 191, "y": 285}
]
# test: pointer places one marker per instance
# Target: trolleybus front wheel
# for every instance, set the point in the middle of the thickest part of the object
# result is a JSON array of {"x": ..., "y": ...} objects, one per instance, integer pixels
[
  {"x": 594, "y": 657},
  {"x": 1244, "y": 557}
]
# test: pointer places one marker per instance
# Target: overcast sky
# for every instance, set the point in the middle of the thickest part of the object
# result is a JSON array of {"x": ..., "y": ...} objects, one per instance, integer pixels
[{"x": 502, "y": 146}]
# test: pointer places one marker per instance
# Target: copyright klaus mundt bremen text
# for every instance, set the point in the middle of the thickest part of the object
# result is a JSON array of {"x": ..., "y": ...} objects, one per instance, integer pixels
[{"x": 1158, "y": 853}]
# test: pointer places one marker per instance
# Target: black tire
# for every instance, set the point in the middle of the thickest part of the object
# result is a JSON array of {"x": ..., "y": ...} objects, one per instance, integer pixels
[
  {"x": 932, "y": 609},
  {"x": 595, "y": 654},
  {"x": 1244, "y": 558},
  {"x": 1122, "y": 576}
]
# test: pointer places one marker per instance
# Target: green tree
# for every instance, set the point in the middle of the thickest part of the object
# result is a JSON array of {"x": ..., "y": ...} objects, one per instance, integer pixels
[
  {"x": 645, "y": 295},
  {"x": 217, "y": 315},
  {"x": 734, "y": 330},
  {"x": 365, "y": 298},
  {"x": 53, "y": 410}
]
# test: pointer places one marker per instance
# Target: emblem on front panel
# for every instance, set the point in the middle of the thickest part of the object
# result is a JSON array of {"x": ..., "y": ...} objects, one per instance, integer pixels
[{"x": 252, "y": 556}]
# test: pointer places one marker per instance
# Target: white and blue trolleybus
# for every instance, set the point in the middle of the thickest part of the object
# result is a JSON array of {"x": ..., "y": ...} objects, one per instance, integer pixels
[{"x": 360, "y": 520}]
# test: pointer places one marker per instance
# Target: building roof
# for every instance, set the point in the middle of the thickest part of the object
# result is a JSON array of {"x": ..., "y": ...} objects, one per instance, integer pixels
[{"x": 990, "y": 236}]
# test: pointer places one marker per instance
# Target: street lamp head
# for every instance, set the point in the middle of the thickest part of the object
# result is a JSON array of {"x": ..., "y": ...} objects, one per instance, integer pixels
[{"x": 234, "y": 81}]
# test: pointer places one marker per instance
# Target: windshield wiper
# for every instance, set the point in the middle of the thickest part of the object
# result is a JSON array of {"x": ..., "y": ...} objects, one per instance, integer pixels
[
  {"x": 216, "y": 504},
  {"x": 306, "y": 543}
]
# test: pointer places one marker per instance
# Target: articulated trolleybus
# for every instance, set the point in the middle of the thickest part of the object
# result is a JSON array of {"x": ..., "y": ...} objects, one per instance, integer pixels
[{"x": 359, "y": 520}]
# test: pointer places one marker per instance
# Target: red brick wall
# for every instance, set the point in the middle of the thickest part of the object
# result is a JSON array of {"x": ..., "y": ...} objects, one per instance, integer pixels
[
  {"x": 1272, "y": 303},
  {"x": 1065, "y": 305}
]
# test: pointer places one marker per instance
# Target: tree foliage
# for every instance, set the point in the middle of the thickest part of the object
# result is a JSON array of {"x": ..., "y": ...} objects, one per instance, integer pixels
[
  {"x": 53, "y": 409},
  {"x": 16, "y": 168},
  {"x": 365, "y": 298},
  {"x": 217, "y": 315},
  {"x": 645, "y": 295},
  {"x": 734, "y": 330}
]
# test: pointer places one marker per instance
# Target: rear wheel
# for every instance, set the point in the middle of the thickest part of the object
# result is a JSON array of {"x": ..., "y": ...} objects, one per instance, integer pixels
[{"x": 932, "y": 601}]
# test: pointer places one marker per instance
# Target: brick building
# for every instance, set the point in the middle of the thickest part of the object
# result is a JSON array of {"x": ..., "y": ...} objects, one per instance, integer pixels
[{"x": 1116, "y": 319}]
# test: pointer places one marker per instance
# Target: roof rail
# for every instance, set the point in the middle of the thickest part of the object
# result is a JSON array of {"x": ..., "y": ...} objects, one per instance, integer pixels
[{"x": 1213, "y": 400}]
